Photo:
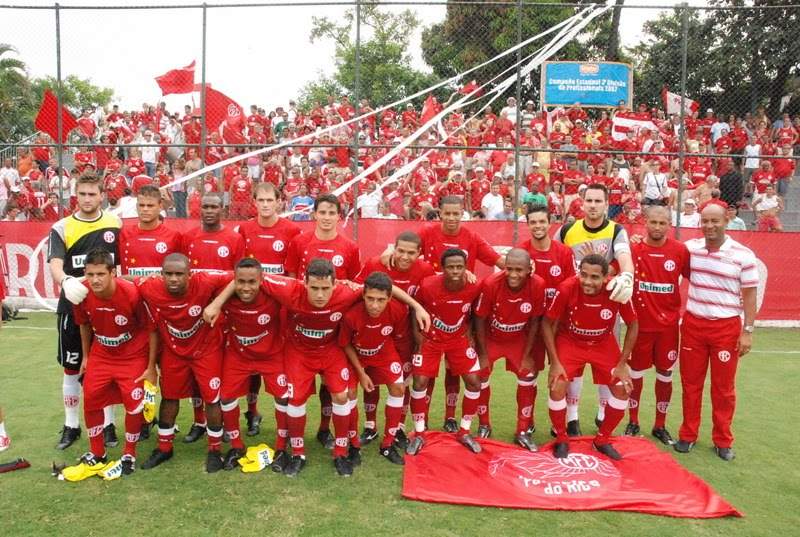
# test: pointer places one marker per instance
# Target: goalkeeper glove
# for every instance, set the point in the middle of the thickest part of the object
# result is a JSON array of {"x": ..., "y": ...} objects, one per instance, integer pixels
[
  {"x": 621, "y": 287},
  {"x": 149, "y": 409},
  {"x": 257, "y": 458},
  {"x": 74, "y": 290}
]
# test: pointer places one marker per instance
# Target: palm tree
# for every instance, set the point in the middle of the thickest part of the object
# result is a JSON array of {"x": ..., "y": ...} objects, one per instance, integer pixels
[{"x": 15, "y": 96}]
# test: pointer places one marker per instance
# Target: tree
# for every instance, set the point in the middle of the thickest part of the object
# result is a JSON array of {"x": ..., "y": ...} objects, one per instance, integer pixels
[
  {"x": 15, "y": 96},
  {"x": 76, "y": 93}
]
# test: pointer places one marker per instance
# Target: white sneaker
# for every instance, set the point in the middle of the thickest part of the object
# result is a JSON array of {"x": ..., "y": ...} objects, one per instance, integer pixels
[{"x": 5, "y": 442}]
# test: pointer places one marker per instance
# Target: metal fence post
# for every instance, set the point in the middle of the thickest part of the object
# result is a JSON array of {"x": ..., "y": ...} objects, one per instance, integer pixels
[
  {"x": 356, "y": 101},
  {"x": 203, "y": 133},
  {"x": 518, "y": 126},
  {"x": 59, "y": 118},
  {"x": 682, "y": 135}
]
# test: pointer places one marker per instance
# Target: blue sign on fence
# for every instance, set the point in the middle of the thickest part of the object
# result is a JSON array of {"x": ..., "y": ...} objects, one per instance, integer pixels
[{"x": 587, "y": 83}]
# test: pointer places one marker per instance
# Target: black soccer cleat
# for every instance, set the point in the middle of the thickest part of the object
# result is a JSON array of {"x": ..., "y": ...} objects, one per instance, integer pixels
[
  {"x": 279, "y": 461},
  {"x": 367, "y": 436},
  {"x": 470, "y": 443},
  {"x": 110, "y": 435},
  {"x": 343, "y": 466},
  {"x": 195, "y": 433},
  {"x": 663, "y": 435},
  {"x": 253, "y": 423},
  {"x": 450, "y": 425},
  {"x": 526, "y": 441},
  {"x": 232, "y": 458},
  {"x": 156, "y": 458},
  {"x": 608, "y": 450},
  {"x": 573, "y": 428},
  {"x": 144, "y": 432},
  {"x": 400, "y": 440},
  {"x": 725, "y": 453},
  {"x": 561, "y": 450},
  {"x": 69, "y": 435},
  {"x": 354, "y": 455},
  {"x": 128, "y": 464},
  {"x": 391, "y": 454},
  {"x": 294, "y": 466},
  {"x": 214, "y": 462},
  {"x": 598, "y": 422},
  {"x": 484, "y": 431},
  {"x": 683, "y": 446},
  {"x": 632, "y": 429},
  {"x": 415, "y": 445},
  {"x": 325, "y": 438}
]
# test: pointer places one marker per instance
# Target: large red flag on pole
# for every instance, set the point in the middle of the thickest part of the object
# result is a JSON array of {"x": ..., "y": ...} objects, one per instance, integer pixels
[
  {"x": 47, "y": 118},
  {"x": 430, "y": 109},
  {"x": 177, "y": 80},
  {"x": 220, "y": 108}
]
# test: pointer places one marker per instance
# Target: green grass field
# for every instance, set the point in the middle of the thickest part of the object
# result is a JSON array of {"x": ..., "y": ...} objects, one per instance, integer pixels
[{"x": 180, "y": 499}]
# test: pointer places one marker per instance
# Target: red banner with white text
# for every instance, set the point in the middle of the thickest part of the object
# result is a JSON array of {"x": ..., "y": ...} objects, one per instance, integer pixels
[{"x": 775, "y": 251}]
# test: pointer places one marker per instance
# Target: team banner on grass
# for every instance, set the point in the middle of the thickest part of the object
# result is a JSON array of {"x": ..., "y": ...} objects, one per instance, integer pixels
[
  {"x": 602, "y": 84},
  {"x": 646, "y": 480}
]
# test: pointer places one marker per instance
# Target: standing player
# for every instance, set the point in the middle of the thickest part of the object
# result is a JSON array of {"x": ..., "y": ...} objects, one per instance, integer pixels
[
  {"x": 507, "y": 317},
  {"x": 722, "y": 288},
  {"x": 266, "y": 239},
  {"x": 578, "y": 329},
  {"x": 660, "y": 262},
  {"x": 145, "y": 243},
  {"x": 596, "y": 234},
  {"x": 119, "y": 345},
  {"x": 71, "y": 238},
  {"x": 448, "y": 298}
]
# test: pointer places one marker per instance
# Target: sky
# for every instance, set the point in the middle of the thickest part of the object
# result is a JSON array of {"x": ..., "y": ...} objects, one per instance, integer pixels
[{"x": 259, "y": 55}]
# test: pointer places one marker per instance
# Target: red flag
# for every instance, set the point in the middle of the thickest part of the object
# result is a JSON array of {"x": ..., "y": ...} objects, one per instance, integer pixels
[
  {"x": 177, "y": 80},
  {"x": 430, "y": 109},
  {"x": 47, "y": 118},
  {"x": 470, "y": 88},
  {"x": 646, "y": 480},
  {"x": 672, "y": 103},
  {"x": 219, "y": 108}
]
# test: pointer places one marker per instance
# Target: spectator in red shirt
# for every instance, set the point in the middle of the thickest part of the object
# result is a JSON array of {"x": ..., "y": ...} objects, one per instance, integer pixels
[{"x": 784, "y": 168}]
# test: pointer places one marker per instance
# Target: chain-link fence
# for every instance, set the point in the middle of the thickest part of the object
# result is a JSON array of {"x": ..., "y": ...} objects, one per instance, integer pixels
[{"x": 152, "y": 95}]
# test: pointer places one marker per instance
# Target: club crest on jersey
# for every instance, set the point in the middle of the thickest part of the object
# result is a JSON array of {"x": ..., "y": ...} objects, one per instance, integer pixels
[
  {"x": 386, "y": 330},
  {"x": 465, "y": 308},
  {"x": 471, "y": 354},
  {"x": 396, "y": 368},
  {"x": 264, "y": 318},
  {"x": 161, "y": 247},
  {"x": 345, "y": 373},
  {"x": 137, "y": 394},
  {"x": 223, "y": 251},
  {"x": 723, "y": 356},
  {"x": 214, "y": 383},
  {"x": 195, "y": 310},
  {"x": 555, "y": 271},
  {"x": 669, "y": 265},
  {"x": 282, "y": 380},
  {"x": 337, "y": 260},
  {"x": 335, "y": 316},
  {"x": 278, "y": 246},
  {"x": 525, "y": 307},
  {"x": 109, "y": 237},
  {"x": 672, "y": 355},
  {"x": 121, "y": 320},
  {"x": 606, "y": 314}
]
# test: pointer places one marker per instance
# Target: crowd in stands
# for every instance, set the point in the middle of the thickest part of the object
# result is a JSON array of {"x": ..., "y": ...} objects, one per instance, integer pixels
[{"x": 725, "y": 159}]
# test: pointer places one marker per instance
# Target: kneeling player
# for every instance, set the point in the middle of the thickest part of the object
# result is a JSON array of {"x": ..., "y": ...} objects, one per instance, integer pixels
[
  {"x": 368, "y": 336},
  {"x": 579, "y": 329},
  {"x": 119, "y": 348}
]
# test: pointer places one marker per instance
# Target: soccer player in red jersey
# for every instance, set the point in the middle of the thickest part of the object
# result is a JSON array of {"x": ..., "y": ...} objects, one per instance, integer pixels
[
  {"x": 659, "y": 262},
  {"x": 253, "y": 345},
  {"x": 212, "y": 246},
  {"x": 119, "y": 347},
  {"x": 507, "y": 317},
  {"x": 578, "y": 329},
  {"x": 368, "y": 334},
  {"x": 448, "y": 298},
  {"x": 191, "y": 353},
  {"x": 144, "y": 244}
]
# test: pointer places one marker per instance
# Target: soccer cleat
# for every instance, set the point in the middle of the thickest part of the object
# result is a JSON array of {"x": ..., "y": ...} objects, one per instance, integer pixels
[
  {"x": 156, "y": 458},
  {"x": 683, "y": 446},
  {"x": 354, "y": 455},
  {"x": 391, "y": 454},
  {"x": 88, "y": 466},
  {"x": 608, "y": 450},
  {"x": 531, "y": 430},
  {"x": 560, "y": 450},
  {"x": 253, "y": 423},
  {"x": 4, "y": 442},
  {"x": 280, "y": 461},
  {"x": 470, "y": 443},
  {"x": 325, "y": 438},
  {"x": 195, "y": 433},
  {"x": 232, "y": 458},
  {"x": 293, "y": 467},
  {"x": 725, "y": 453},
  {"x": 68, "y": 437},
  {"x": 368, "y": 436},
  {"x": 526, "y": 441},
  {"x": 343, "y": 466},
  {"x": 128, "y": 464},
  {"x": 400, "y": 440},
  {"x": 214, "y": 462},
  {"x": 116, "y": 469},
  {"x": 632, "y": 429},
  {"x": 415, "y": 445},
  {"x": 450, "y": 425},
  {"x": 144, "y": 433},
  {"x": 484, "y": 431},
  {"x": 573, "y": 428},
  {"x": 110, "y": 435},
  {"x": 663, "y": 435}
]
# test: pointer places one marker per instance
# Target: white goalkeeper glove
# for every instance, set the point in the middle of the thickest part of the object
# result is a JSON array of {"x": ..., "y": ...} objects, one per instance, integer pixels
[
  {"x": 74, "y": 290},
  {"x": 621, "y": 287}
]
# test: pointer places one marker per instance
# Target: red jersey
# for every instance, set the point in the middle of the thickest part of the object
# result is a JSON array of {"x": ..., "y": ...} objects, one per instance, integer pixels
[
  {"x": 120, "y": 324},
  {"x": 762, "y": 179},
  {"x": 253, "y": 330},
  {"x": 115, "y": 186},
  {"x": 340, "y": 251},
  {"x": 407, "y": 281},
  {"x": 435, "y": 242},
  {"x": 142, "y": 252},
  {"x": 449, "y": 310},
  {"x": 506, "y": 311},
  {"x": 586, "y": 319},
  {"x": 553, "y": 266},
  {"x": 180, "y": 318},
  {"x": 269, "y": 245},
  {"x": 374, "y": 336},
  {"x": 656, "y": 292},
  {"x": 310, "y": 328},
  {"x": 213, "y": 250}
]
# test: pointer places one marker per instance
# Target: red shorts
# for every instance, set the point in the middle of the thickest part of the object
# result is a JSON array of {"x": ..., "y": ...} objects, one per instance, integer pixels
[
  {"x": 184, "y": 377},
  {"x": 385, "y": 368},
  {"x": 460, "y": 358},
  {"x": 237, "y": 370},
  {"x": 602, "y": 356},
  {"x": 111, "y": 381},
  {"x": 405, "y": 349},
  {"x": 538, "y": 352},
  {"x": 510, "y": 350},
  {"x": 658, "y": 349},
  {"x": 301, "y": 367}
]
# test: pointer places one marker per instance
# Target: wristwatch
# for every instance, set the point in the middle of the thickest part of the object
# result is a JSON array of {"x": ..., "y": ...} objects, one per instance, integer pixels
[{"x": 749, "y": 328}]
